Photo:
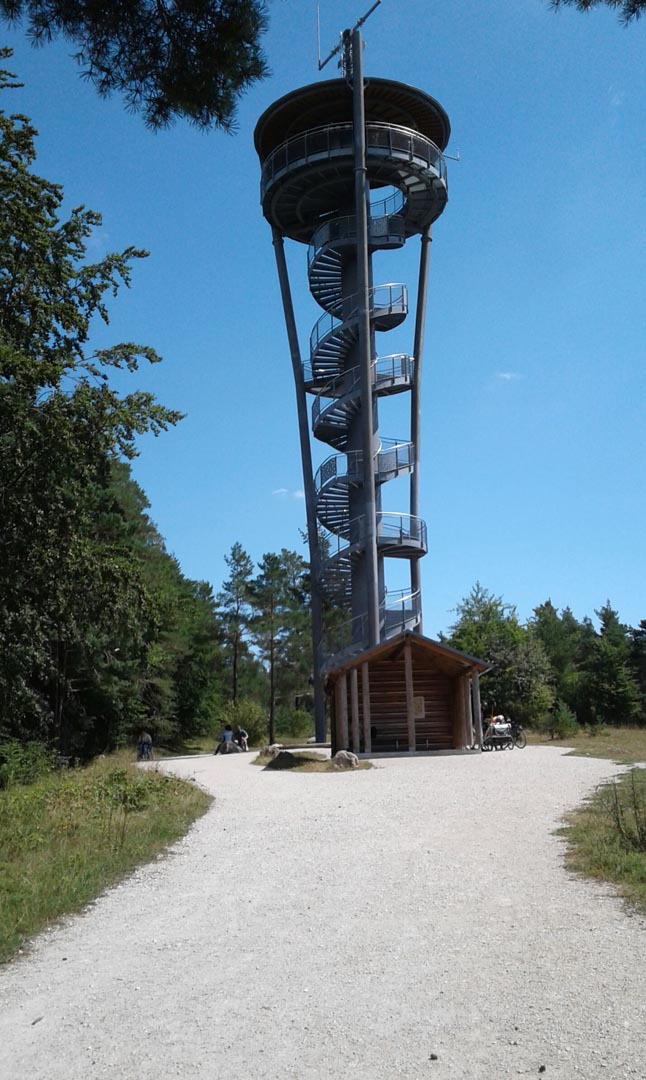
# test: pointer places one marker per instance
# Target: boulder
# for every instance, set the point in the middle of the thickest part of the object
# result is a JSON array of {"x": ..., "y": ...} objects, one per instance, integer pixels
[
  {"x": 283, "y": 760},
  {"x": 344, "y": 759},
  {"x": 272, "y": 751},
  {"x": 230, "y": 748}
]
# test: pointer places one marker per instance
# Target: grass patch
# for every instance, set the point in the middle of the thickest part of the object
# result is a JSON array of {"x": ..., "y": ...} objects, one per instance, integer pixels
[
  {"x": 309, "y": 761},
  {"x": 68, "y": 836},
  {"x": 624, "y": 745},
  {"x": 607, "y": 836}
]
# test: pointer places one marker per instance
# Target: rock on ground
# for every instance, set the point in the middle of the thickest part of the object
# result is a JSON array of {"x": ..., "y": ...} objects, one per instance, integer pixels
[{"x": 414, "y": 920}]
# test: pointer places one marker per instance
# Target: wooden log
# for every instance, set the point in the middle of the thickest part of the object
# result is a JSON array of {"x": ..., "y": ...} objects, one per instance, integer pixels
[
  {"x": 459, "y": 713},
  {"x": 468, "y": 712},
  {"x": 477, "y": 709},
  {"x": 354, "y": 697},
  {"x": 410, "y": 697},
  {"x": 365, "y": 695},
  {"x": 342, "y": 712}
]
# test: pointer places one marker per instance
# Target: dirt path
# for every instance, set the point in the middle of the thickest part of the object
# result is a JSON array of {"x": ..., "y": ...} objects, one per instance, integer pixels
[{"x": 346, "y": 926}]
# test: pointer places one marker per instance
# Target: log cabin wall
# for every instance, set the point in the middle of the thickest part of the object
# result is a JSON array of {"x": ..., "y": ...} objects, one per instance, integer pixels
[
  {"x": 425, "y": 706},
  {"x": 435, "y": 730}
]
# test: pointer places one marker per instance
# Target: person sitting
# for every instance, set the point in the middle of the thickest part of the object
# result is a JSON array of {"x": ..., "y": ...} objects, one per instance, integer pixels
[
  {"x": 242, "y": 739},
  {"x": 227, "y": 744}
]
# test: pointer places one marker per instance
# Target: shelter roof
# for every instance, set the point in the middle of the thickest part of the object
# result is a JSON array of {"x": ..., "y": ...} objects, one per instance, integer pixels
[{"x": 446, "y": 659}]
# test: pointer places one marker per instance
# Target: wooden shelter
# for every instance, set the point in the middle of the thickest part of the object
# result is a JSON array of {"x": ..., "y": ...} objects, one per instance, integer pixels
[{"x": 407, "y": 695}]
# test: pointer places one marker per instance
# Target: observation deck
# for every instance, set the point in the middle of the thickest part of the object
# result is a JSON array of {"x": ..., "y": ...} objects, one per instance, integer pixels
[{"x": 305, "y": 144}]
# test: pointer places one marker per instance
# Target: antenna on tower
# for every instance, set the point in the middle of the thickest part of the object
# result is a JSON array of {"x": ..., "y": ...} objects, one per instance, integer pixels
[{"x": 337, "y": 48}]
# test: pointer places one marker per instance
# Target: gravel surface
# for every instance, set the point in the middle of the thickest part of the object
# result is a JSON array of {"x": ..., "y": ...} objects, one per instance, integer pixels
[{"x": 414, "y": 920}]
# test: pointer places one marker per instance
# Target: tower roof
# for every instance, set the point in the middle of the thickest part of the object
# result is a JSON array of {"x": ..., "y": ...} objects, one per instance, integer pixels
[{"x": 330, "y": 102}]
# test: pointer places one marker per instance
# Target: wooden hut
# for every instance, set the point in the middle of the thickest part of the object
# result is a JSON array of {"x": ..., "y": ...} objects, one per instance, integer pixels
[{"x": 407, "y": 695}]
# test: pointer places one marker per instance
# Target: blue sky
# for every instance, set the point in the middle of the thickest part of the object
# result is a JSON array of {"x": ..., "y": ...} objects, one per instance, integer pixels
[{"x": 534, "y": 441}]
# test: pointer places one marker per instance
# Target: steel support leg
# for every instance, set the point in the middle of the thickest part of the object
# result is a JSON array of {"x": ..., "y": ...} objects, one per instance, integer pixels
[{"x": 308, "y": 485}]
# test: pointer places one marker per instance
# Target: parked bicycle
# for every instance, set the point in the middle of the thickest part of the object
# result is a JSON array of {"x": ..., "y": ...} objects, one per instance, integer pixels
[{"x": 503, "y": 734}]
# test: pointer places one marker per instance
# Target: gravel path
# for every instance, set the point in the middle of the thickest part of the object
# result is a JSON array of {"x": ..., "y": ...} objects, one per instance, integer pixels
[{"x": 346, "y": 926}]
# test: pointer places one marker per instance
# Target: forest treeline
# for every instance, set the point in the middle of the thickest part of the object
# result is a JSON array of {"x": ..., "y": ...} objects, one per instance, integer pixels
[
  {"x": 554, "y": 671},
  {"x": 100, "y": 631}
]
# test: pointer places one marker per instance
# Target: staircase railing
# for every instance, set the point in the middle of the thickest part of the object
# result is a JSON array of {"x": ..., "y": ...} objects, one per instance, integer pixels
[
  {"x": 384, "y": 369},
  {"x": 346, "y": 466},
  {"x": 400, "y": 611},
  {"x": 345, "y": 229},
  {"x": 384, "y": 300},
  {"x": 393, "y": 528}
]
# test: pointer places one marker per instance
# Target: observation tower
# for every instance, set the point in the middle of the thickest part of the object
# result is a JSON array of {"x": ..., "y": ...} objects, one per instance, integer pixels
[{"x": 328, "y": 151}]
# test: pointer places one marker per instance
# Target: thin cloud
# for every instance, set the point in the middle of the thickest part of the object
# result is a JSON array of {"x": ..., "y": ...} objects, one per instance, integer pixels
[
  {"x": 284, "y": 493},
  {"x": 508, "y": 376}
]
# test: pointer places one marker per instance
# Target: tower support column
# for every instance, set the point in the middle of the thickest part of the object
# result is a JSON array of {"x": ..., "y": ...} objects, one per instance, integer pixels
[
  {"x": 416, "y": 400},
  {"x": 308, "y": 485},
  {"x": 361, "y": 194}
]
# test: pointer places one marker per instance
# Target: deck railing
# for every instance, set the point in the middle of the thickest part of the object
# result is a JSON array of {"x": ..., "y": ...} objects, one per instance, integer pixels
[
  {"x": 320, "y": 143},
  {"x": 385, "y": 369}
]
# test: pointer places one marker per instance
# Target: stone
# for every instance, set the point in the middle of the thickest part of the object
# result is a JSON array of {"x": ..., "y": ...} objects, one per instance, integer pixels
[
  {"x": 272, "y": 751},
  {"x": 230, "y": 748},
  {"x": 344, "y": 759},
  {"x": 283, "y": 760}
]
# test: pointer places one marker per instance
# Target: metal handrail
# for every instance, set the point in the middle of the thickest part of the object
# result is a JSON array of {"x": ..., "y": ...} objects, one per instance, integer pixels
[
  {"x": 395, "y": 299},
  {"x": 401, "y": 528},
  {"x": 322, "y": 142},
  {"x": 345, "y": 228},
  {"x": 384, "y": 368},
  {"x": 398, "y": 611},
  {"x": 335, "y": 544},
  {"x": 392, "y": 204},
  {"x": 393, "y": 456},
  {"x": 330, "y": 468}
]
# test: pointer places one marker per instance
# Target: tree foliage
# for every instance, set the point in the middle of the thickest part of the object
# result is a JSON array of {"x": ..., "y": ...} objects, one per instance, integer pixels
[
  {"x": 554, "y": 670},
  {"x": 234, "y": 608},
  {"x": 168, "y": 58},
  {"x": 280, "y": 627},
  {"x": 628, "y": 10},
  {"x": 519, "y": 679},
  {"x": 88, "y": 596}
]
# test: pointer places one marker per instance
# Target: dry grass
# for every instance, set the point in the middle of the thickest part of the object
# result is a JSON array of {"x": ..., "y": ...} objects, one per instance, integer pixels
[
  {"x": 605, "y": 836},
  {"x": 625, "y": 745},
  {"x": 68, "y": 836}
]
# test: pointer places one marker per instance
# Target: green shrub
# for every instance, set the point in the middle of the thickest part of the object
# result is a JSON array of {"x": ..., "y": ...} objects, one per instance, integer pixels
[
  {"x": 248, "y": 714},
  {"x": 560, "y": 724},
  {"x": 294, "y": 723},
  {"x": 66, "y": 837},
  {"x": 23, "y": 763}
]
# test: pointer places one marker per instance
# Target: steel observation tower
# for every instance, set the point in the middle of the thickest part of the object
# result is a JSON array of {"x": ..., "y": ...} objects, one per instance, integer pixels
[{"x": 326, "y": 152}]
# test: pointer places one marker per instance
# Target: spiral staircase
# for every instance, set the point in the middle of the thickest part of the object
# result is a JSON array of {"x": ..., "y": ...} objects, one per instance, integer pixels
[{"x": 307, "y": 191}]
